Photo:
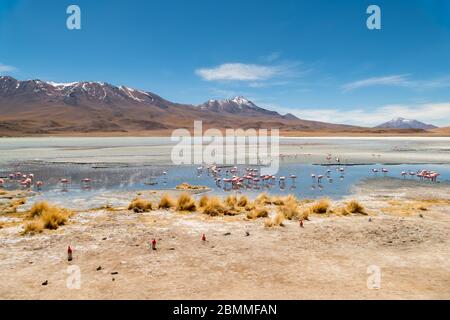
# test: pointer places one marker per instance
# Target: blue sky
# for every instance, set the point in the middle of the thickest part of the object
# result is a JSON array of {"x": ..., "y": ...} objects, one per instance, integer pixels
[{"x": 316, "y": 59}]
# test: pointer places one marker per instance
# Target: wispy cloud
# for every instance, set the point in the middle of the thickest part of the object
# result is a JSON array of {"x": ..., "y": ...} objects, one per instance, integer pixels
[
  {"x": 400, "y": 80},
  {"x": 434, "y": 113},
  {"x": 239, "y": 72},
  {"x": 271, "y": 57},
  {"x": 393, "y": 80},
  {"x": 6, "y": 68}
]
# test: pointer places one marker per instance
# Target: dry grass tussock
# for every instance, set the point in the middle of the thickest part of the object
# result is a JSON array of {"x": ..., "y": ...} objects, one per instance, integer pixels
[
  {"x": 321, "y": 206},
  {"x": 214, "y": 207},
  {"x": 46, "y": 216},
  {"x": 230, "y": 206},
  {"x": 258, "y": 212},
  {"x": 11, "y": 206},
  {"x": 166, "y": 202},
  {"x": 354, "y": 207},
  {"x": 185, "y": 202},
  {"x": 290, "y": 208},
  {"x": 243, "y": 202},
  {"x": 203, "y": 201},
  {"x": 140, "y": 205},
  {"x": 231, "y": 201},
  {"x": 263, "y": 198},
  {"x": 187, "y": 186},
  {"x": 276, "y": 221}
]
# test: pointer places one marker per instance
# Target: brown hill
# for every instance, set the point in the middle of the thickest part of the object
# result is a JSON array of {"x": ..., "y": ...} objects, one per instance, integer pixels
[{"x": 36, "y": 107}]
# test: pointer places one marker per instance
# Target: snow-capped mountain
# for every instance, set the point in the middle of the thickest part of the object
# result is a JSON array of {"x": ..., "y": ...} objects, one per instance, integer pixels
[
  {"x": 71, "y": 93},
  {"x": 241, "y": 106},
  {"x": 43, "y": 107},
  {"x": 402, "y": 123}
]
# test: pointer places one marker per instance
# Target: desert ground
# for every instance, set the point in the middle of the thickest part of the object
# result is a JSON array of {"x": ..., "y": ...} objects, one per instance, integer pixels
[{"x": 405, "y": 232}]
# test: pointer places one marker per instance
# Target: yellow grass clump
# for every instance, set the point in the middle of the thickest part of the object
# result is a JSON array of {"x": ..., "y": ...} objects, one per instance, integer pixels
[
  {"x": 321, "y": 206},
  {"x": 258, "y": 212},
  {"x": 187, "y": 186},
  {"x": 289, "y": 210},
  {"x": 33, "y": 227},
  {"x": 243, "y": 202},
  {"x": 214, "y": 207},
  {"x": 276, "y": 221},
  {"x": 46, "y": 216},
  {"x": 203, "y": 201},
  {"x": 38, "y": 208},
  {"x": 54, "y": 218},
  {"x": 263, "y": 198},
  {"x": 166, "y": 202},
  {"x": 186, "y": 203},
  {"x": 354, "y": 207},
  {"x": 140, "y": 205},
  {"x": 278, "y": 201},
  {"x": 14, "y": 204},
  {"x": 231, "y": 201}
]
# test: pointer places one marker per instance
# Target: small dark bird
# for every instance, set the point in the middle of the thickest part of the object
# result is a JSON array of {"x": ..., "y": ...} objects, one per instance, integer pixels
[
  {"x": 99, "y": 268},
  {"x": 45, "y": 283}
]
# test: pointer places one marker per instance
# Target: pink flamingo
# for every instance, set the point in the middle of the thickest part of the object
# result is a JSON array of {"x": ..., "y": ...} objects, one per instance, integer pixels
[
  {"x": 39, "y": 184},
  {"x": 2, "y": 182},
  {"x": 319, "y": 178}
]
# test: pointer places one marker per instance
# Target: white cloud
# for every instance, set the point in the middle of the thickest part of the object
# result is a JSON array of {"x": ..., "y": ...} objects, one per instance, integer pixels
[
  {"x": 401, "y": 80},
  {"x": 271, "y": 57},
  {"x": 6, "y": 68},
  {"x": 433, "y": 113},
  {"x": 393, "y": 80},
  {"x": 239, "y": 72}
]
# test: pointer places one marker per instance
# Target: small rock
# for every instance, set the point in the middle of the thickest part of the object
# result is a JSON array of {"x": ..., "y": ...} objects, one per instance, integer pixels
[
  {"x": 104, "y": 238},
  {"x": 114, "y": 273},
  {"x": 227, "y": 234},
  {"x": 45, "y": 283},
  {"x": 113, "y": 279},
  {"x": 171, "y": 249}
]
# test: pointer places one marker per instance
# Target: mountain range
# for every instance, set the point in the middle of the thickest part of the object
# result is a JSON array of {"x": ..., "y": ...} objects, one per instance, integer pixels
[
  {"x": 35, "y": 107},
  {"x": 402, "y": 123}
]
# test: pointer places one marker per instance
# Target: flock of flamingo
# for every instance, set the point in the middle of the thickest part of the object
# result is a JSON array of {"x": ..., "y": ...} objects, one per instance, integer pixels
[
  {"x": 228, "y": 178},
  {"x": 250, "y": 178},
  {"x": 27, "y": 181}
]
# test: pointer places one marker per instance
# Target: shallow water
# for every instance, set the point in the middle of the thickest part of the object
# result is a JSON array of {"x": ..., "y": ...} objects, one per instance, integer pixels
[
  {"x": 114, "y": 185},
  {"x": 119, "y": 166}
]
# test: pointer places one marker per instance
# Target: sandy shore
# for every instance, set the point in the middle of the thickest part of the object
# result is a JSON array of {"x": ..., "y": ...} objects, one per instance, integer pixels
[{"x": 326, "y": 259}]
